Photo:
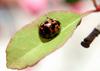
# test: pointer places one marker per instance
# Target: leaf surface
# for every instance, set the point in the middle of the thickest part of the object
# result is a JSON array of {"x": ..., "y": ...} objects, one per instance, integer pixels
[{"x": 26, "y": 48}]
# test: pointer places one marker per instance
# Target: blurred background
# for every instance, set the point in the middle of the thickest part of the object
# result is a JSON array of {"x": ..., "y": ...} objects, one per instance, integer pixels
[{"x": 14, "y": 14}]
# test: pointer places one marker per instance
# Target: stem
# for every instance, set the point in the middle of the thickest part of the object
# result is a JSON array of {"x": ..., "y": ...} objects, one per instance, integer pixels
[
  {"x": 95, "y": 5},
  {"x": 89, "y": 39},
  {"x": 91, "y": 11}
]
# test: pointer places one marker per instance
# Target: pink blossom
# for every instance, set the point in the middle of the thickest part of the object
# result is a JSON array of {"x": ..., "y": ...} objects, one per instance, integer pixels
[{"x": 33, "y": 6}]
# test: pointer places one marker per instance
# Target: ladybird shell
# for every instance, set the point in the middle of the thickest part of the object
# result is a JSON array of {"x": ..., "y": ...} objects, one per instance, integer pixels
[{"x": 49, "y": 29}]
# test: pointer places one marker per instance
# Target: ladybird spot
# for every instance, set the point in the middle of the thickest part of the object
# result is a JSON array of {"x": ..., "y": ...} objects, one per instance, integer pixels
[
  {"x": 46, "y": 22},
  {"x": 53, "y": 27}
]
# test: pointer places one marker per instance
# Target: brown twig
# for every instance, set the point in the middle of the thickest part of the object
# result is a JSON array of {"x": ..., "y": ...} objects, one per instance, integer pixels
[{"x": 94, "y": 3}]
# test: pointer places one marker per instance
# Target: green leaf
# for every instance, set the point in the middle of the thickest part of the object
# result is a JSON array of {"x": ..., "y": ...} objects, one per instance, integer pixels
[{"x": 26, "y": 48}]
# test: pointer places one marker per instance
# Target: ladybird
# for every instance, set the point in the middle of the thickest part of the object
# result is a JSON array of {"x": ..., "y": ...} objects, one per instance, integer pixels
[{"x": 49, "y": 29}]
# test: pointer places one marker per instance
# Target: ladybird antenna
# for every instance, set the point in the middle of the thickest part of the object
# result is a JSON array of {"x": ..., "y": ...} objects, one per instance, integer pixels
[
  {"x": 48, "y": 17},
  {"x": 89, "y": 39}
]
